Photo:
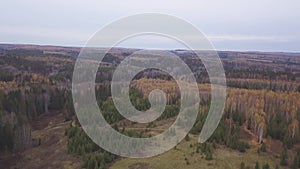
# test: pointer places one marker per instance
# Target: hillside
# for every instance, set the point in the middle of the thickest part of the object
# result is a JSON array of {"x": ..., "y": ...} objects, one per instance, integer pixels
[{"x": 39, "y": 128}]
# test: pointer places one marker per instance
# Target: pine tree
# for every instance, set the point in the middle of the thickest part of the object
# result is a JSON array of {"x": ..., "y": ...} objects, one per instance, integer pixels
[
  {"x": 243, "y": 165},
  {"x": 266, "y": 166},
  {"x": 263, "y": 147},
  {"x": 257, "y": 165},
  {"x": 283, "y": 157}
]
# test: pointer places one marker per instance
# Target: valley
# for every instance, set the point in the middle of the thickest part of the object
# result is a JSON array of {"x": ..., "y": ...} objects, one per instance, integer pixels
[{"x": 39, "y": 127}]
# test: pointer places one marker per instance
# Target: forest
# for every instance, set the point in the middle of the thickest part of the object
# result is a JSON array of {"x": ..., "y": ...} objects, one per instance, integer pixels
[{"x": 261, "y": 115}]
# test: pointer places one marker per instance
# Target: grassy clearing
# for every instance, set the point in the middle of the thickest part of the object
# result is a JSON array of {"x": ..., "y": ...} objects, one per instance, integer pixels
[{"x": 184, "y": 156}]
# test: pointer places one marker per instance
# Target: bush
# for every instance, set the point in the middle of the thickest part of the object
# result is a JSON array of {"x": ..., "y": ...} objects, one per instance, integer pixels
[{"x": 263, "y": 147}]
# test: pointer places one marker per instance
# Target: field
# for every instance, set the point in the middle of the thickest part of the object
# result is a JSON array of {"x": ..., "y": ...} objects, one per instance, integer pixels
[{"x": 185, "y": 156}]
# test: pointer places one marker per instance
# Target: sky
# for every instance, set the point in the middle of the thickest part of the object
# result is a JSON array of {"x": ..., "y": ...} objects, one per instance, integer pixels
[{"x": 248, "y": 25}]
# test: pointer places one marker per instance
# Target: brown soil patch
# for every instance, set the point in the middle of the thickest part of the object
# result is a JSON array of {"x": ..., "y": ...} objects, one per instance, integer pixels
[
  {"x": 43, "y": 120},
  {"x": 275, "y": 146}
]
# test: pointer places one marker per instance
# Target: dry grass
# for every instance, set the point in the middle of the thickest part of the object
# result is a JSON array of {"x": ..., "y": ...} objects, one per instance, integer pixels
[{"x": 223, "y": 158}]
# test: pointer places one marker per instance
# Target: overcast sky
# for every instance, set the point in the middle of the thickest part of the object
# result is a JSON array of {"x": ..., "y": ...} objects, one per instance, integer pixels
[{"x": 255, "y": 25}]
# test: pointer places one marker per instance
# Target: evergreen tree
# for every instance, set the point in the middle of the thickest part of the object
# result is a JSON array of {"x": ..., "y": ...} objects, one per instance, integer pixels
[
  {"x": 283, "y": 157},
  {"x": 263, "y": 147},
  {"x": 257, "y": 165},
  {"x": 243, "y": 165},
  {"x": 266, "y": 166}
]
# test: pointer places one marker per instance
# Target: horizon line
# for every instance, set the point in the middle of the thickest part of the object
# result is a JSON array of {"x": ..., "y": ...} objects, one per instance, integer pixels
[{"x": 138, "y": 48}]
